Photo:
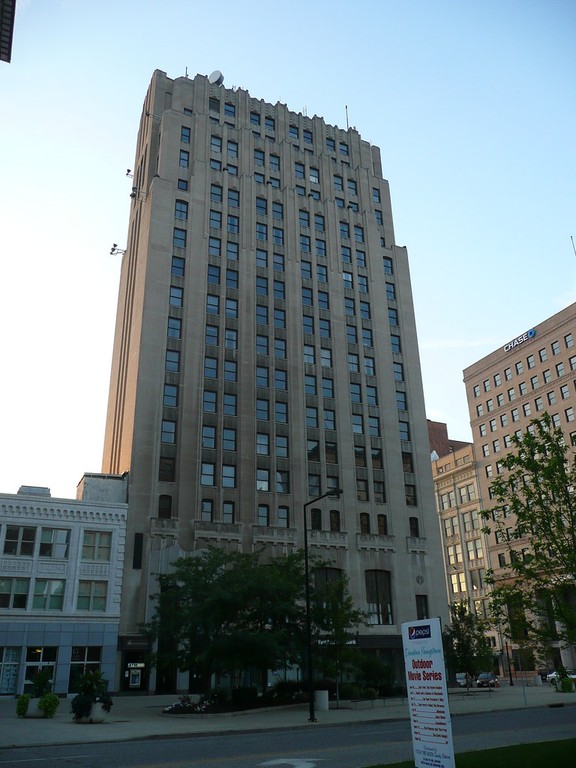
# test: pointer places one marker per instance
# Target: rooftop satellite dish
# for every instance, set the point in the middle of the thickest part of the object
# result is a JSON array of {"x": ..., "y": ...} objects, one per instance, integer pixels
[{"x": 216, "y": 78}]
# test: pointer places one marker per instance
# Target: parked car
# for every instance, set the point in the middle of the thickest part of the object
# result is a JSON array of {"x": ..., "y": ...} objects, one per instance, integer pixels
[
  {"x": 487, "y": 680},
  {"x": 553, "y": 677}
]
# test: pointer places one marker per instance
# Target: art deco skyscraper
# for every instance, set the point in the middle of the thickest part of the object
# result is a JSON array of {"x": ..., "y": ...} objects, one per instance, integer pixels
[{"x": 266, "y": 353}]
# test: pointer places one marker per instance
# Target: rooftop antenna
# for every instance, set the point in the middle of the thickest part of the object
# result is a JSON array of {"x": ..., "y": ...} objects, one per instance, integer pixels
[
  {"x": 186, "y": 72},
  {"x": 347, "y": 123},
  {"x": 573, "y": 248}
]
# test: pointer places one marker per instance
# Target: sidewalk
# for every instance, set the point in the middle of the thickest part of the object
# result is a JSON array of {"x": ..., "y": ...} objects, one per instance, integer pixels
[{"x": 140, "y": 717}]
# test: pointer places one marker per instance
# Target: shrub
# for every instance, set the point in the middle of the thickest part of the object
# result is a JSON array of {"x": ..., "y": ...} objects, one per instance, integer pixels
[
  {"x": 22, "y": 704},
  {"x": 49, "y": 703},
  {"x": 245, "y": 698},
  {"x": 370, "y": 693},
  {"x": 350, "y": 691},
  {"x": 566, "y": 685},
  {"x": 288, "y": 690}
]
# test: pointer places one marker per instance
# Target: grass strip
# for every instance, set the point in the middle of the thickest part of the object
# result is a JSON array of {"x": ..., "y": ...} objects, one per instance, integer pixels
[{"x": 560, "y": 754}]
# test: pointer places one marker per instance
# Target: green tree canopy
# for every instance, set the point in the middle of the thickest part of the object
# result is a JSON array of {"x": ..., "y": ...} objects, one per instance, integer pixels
[
  {"x": 336, "y": 622},
  {"x": 225, "y": 612},
  {"x": 465, "y": 642},
  {"x": 534, "y": 595}
]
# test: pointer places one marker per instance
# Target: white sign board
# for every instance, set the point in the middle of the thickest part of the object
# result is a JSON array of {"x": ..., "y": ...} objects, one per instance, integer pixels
[{"x": 427, "y": 694}]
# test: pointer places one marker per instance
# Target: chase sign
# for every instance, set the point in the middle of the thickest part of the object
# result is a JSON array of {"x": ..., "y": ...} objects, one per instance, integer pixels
[{"x": 526, "y": 336}]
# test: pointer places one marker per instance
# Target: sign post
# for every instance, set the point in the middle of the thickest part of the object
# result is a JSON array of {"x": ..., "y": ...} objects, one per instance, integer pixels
[{"x": 427, "y": 694}]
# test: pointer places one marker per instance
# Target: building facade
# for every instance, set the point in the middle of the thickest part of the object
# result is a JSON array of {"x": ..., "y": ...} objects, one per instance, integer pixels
[
  {"x": 529, "y": 375},
  {"x": 459, "y": 503},
  {"x": 266, "y": 353},
  {"x": 60, "y": 587}
]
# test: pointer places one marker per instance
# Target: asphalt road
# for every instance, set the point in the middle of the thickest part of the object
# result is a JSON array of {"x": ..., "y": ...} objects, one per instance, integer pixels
[{"x": 344, "y": 746}]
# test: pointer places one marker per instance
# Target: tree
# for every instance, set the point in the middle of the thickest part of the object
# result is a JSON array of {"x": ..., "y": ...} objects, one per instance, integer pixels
[
  {"x": 465, "y": 642},
  {"x": 534, "y": 595},
  {"x": 335, "y": 623},
  {"x": 227, "y": 612}
]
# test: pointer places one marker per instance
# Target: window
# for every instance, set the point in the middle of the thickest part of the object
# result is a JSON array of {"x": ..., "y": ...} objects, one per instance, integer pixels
[
  {"x": 261, "y": 231},
  {"x": 168, "y": 433},
  {"x": 279, "y": 289},
  {"x": 184, "y": 159},
  {"x": 19, "y": 540},
  {"x": 311, "y": 416},
  {"x": 92, "y": 595},
  {"x": 214, "y": 246},
  {"x": 49, "y": 594},
  {"x": 209, "y": 401},
  {"x": 262, "y": 376},
  {"x": 281, "y": 446},
  {"x": 367, "y": 337},
  {"x": 262, "y": 444},
  {"x": 310, "y": 384},
  {"x": 393, "y": 316},
  {"x": 208, "y": 436},
  {"x": 283, "y": 517},
  {"x": 398, "y": 371},
  {"x": 564, "y": 392},
  {"x": 281, "y": 412},
  {"x": 357, "y": 424},
  {"x": 181, "y": 210},
  {"x": 261, "y": 344},
  {"x": 179, "y": 238},
  {"x": 178, "y": 266},
  {"x": 378, "y": 597},
  {"x": 361, "y": 489},
  {"x": 263, "y": 481},
  {"x": 211, "y": 335},
  {"x": 232, "y": 148},
  {"x": 228, "y": 476},
  {"x": 371, "y": 395},
  {"x": 305, "y": 243},
  {"x": 299, "y": 171},
  {"x": 14, "y": 593},
  {"x": 307, "y": 297},
  {"x": 314, "y": 175},
  {"x": 54, "y": 543},
  {"x": 358, "y": 233},
  {"x": 270, "y": 124},
  {"x": 233, "y": 224},
  {"x": 395, "y": 343},
  {"x": 262, "y": 409},
  {"x": 326, "y": 357},
  {"x": 208, "y": 473},
  {"x": 263, "y": 515},
  {"x": 184, "y": 134},
  {"x": 231, "y": 338},
  {"x": 170, "y": 396},
  {"x": 207, "y": 511},
  {"x": 176, "y": 296},
  {"x": 230, "y": 370},
  {"x": 280, "y": 348},
  {"x": 309, "y": 354},
  {"x": 334, "y": 516},
  {"x": 329, "y": 419},
  {"x": 355, "y": 393},
  {"x": 212, "y": 305},
  {"x": 323, "y": 299},
  {"x": 374, "y": 426},
  {"x": 213, "y": 274},
  {"x": 327, "y": 387},
  {"x": 404, "y": 428},
  {"x": 211, "y": 367},
  {"x": 183, "y": 185}
]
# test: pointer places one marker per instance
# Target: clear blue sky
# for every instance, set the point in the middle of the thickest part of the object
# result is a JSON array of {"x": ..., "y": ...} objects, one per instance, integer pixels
[{"x": 472, "y": 103}]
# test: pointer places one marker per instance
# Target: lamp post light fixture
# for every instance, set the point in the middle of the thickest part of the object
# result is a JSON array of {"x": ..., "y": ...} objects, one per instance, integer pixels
[{"x": 334, "y": 493}]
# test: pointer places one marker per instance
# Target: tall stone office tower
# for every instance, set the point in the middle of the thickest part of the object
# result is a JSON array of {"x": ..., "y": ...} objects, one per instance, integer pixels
[{"x": 265, "y": 353}]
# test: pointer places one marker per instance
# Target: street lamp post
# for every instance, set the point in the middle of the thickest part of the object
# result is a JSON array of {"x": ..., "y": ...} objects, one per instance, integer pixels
[{"x": 335, "y": 493}]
